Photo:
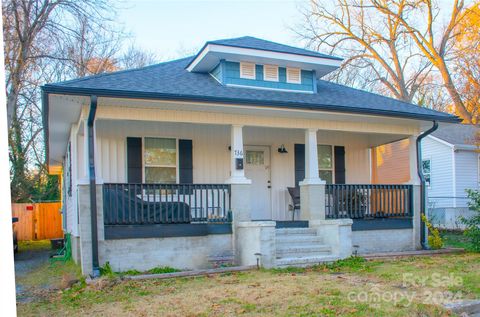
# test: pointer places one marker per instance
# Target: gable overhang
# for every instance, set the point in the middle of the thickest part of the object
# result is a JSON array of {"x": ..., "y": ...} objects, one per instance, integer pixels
[
  {"x": 211, "y": 54},
  {"x": 60, "y": 112}
]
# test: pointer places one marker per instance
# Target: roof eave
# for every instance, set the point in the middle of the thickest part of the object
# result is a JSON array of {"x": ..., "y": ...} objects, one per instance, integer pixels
[
  {"x": 215, "y": 48},
  {"x": 53, "y": 89}
]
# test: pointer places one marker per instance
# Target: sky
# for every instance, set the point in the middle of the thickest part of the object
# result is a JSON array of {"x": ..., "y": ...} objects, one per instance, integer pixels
[{"x": 173, "y": 29}]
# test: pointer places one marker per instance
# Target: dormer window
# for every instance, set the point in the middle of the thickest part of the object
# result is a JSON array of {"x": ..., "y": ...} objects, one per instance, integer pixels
[
  {"x": 270, "y": 73},
  {"x": 247, "y": 70},
  {"x": 293, "y": 76}
]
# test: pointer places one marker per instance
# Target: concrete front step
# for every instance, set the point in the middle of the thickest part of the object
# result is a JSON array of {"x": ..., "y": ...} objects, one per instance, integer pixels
[
  {"x": 295, "y": 231},
  {"x": 301, "y": 239},
  {"x": 302, "y": 250},
  {"x": 305, "y": 261}
]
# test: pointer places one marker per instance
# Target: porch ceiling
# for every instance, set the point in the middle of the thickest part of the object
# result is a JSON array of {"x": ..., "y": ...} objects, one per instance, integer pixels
[{"x": 227, "y": 114}]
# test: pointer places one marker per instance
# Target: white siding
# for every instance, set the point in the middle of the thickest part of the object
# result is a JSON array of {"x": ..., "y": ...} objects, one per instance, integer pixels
[
  {"x": 466, "y": 174},
  {"x": 441, "y": 184},
  {"x": 211, "y": 155}
]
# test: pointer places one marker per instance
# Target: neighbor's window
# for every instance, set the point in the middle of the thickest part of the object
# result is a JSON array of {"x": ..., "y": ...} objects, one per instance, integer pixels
[
  {"x": 427, "y": 171},
  {"x": 160, "y": 157},
  {"x": 325, "y": 163}
]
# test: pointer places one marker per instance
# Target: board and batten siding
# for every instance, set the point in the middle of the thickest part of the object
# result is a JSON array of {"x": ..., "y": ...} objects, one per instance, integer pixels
[
  {"x": 232, "y": 77},
  {"x": 441, "y": 160},
  {"x": 466, "y": 174},
  {"x": 211, "y": 157}
]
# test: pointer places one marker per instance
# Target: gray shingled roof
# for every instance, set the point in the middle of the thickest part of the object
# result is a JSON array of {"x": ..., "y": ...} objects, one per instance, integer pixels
[
  {"x": 171, "y": 81},
  {"x": 259, "y": 44},
  {"x": 459, "y": 134}
]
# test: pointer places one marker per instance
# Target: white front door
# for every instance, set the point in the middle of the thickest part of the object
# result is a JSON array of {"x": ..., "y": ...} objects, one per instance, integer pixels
[{"x": 257, "y": 168}]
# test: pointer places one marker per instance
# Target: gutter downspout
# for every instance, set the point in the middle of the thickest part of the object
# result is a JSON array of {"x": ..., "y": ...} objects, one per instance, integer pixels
[
  {"x": 423, "y": 204},
  {"x": 93, "y": 184}
]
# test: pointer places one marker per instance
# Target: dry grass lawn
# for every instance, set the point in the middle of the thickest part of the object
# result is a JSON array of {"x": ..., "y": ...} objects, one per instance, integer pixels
[{"x": 349, "y": 288}]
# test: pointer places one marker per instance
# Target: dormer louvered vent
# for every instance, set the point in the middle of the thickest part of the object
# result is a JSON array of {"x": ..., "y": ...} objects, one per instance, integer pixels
[
  {"x": 270, "y": 72},
  {"x": 247, "y": 70},
  {"x": 293, "y": 75}
]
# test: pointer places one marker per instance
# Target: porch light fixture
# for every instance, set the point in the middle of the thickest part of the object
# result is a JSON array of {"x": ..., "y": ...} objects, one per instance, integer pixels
[{"x": 282, "y": 149}]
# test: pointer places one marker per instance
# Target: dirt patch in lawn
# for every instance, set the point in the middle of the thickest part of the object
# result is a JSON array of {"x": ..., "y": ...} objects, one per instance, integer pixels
[
  {"x": 36, "y": 278},
  {"x": 349, "y": 288}
]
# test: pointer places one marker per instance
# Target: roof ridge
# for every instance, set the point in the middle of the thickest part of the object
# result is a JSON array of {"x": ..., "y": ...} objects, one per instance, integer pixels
[
  {"x": 295, "y": 47},
  {"x": 75, "y": 80}
]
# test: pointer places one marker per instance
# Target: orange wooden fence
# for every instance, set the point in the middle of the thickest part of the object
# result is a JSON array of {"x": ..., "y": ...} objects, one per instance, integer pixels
[{"x": 38, "y": 221}]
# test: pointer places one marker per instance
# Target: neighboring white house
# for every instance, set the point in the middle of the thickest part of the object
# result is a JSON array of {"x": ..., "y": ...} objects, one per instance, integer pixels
[
  {"x": 199, "y": 158},
  {"x": 451, "y": 166}
]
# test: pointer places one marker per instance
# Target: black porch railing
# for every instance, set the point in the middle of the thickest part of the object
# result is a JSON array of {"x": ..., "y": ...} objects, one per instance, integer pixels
[
  {"x": 131, "y": 204},
  {"x": 368, "y": 201}
]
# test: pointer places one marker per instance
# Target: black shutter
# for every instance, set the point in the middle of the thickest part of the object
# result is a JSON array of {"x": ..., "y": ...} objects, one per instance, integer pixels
[
  {"x": 134, "y": 160},
  {"x": 185, "y": 162},
  {"x": 299, "y": 163},
  {"x": 339, "y": 164}
]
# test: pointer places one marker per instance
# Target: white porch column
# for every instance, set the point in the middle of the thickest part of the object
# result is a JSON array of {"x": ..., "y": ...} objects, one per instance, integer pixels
[
  {"x": 412, "y": 143},
  {"x": 237, "y": 174},
  {"x": 312, "y": 188},
  {"x": 240, "y": 201},
  {"x": 240, "y": 185},
  {"x": 311, "y": 158}
]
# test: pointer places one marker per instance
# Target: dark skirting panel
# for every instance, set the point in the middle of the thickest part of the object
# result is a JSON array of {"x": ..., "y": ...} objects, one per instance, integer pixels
[
  {"x": 164, "y": 230},
  {"x": 382, "y": 224}
]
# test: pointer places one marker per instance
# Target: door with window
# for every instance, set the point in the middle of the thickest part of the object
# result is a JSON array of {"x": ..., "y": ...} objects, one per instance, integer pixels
[{"x": 257, "y": 168}]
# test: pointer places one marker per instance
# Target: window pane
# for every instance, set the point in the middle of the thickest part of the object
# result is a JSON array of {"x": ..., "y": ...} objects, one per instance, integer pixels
[
  {"x": 255, "y": 157},
  {"x": 324, "y": 156},
  {"x": 427, "y": 179},
  {"x": 326, "y": 176},
  {"x": 426, "y": 166},
  {"x": 160, "y": 151},
  {"x": 161, "y": 175}
]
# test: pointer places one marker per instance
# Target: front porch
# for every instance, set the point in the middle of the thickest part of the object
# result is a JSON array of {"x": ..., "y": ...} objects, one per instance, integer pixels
[{"x": 179, "y": 190}]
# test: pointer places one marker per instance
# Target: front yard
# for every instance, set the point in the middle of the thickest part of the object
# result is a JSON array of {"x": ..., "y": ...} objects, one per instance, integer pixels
[{"x": 354, "y": 287}]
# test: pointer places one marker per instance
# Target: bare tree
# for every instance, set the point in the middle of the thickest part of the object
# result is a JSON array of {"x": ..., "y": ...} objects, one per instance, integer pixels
[
  {"x": 36, "y": 33},
  {"x": 136, "y": 58},
  {"x": 466, "y": 61},
  {"x": 433, "y": 39},
  {"x": 404, "y": 45},
  {"x": 33, "y": 29},
  {"x": 376, "y": 46}
]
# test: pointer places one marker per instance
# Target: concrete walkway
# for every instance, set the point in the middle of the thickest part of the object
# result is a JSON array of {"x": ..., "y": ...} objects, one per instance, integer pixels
[{"x": 27, "y": 261}]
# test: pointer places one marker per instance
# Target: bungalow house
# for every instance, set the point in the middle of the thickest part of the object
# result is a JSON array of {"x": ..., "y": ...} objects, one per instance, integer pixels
[
  {"x": 451, "y": 166},
  {"x": 210, "y": 157}
]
